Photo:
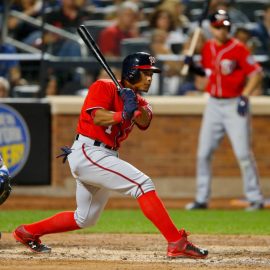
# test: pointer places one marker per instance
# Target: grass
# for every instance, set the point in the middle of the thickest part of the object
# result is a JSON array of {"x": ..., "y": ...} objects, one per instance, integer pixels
[{"x": 132, "y": 221}]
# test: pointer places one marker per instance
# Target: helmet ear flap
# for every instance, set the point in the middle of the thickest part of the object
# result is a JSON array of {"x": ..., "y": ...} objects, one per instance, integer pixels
[{"x": 133, "y": 76}]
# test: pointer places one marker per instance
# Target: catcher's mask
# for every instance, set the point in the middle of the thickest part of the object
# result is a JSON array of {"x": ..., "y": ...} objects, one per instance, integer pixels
[
  {"x": 220, "y": 19},
  {"x": 133, "y": 63}
]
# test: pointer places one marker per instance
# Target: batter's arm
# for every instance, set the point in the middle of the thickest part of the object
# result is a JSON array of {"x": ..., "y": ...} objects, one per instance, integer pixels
[
  {"x": 102, "y": 117},
  {"x": 144, "y": 119}
]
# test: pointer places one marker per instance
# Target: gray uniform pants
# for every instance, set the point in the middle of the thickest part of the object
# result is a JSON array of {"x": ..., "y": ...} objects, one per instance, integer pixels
[
  {"x": 98, "y": 171},
  {"x": 221, "y": 117}
]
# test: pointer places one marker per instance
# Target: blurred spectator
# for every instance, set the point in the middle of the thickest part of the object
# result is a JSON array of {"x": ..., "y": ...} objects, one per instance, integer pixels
[
  {"x": 67, "y": 17},
  {"x": 19, "y": 29},
  {"x": 171, "y": 78},
  {"x": 4, "y": 87},
  {"x": 112, "y": 9},
  {"x": 10, "y": 72},
  {"x": 125, "y": 26},
  {"x": 244, "y": 35},
  {"x": 262, "y": 31},
  {"x": 163, "y": 19},
  {"x": 177, "y": 8}
]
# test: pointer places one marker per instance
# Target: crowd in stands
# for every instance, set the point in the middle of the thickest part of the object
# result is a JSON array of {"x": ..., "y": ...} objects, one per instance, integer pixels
[{"x": 165, "y": 25}]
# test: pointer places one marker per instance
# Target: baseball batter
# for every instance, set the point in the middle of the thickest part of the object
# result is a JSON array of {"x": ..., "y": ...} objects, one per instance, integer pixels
[
  {"x": 106, "y": 119},
  {"x": 232, "y": 76}
]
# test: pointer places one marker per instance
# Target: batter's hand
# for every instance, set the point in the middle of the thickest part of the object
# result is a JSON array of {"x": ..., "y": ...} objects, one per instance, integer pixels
[
  {"x": 198, "y": 70},
  {"x": 243, "y": 105},
  {"x": 130, "y": 103},
  {"x": 188, "y": 60}
]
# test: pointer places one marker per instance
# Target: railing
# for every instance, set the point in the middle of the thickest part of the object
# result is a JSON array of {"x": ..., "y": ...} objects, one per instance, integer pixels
[
  {"x": 91, "y": 64},
  {"x": 38, "y": 23}
]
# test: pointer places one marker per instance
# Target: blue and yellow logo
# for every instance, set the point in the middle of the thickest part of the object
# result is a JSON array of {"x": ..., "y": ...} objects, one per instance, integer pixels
[{"x": 14, "y": 139}]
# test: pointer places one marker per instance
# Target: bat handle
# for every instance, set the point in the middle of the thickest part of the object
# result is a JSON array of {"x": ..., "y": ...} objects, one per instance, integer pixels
[
  {"x": 194, "y": 41},
  {"x": 185, "y": 70}
]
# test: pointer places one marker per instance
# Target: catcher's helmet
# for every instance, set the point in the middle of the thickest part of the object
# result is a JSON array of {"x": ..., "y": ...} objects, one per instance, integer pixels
[
  {"x": 135, "y": 62},
  {"x": 5, "y": 187},
  {"x": 220, "y": 18}
]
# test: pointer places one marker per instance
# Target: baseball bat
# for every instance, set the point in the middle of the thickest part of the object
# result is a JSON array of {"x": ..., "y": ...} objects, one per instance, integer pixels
[
  {"x": 91, "y": 44},
  {"x": 195, "y": 37}
]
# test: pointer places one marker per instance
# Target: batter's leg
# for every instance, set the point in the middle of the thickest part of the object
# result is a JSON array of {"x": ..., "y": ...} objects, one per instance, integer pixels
[
  {"x": 97, "y": 167},
  {"x": 91, "y": 201},
  {"x": 239, "y": 132},
  {"x": 210, "y": 135},
  {"x": 103, "y": 169}
]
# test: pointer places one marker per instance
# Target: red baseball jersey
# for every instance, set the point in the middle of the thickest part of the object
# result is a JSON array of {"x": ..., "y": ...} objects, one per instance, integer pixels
[
  {"x": 229, "y": 65},
  {"x": 103, "y": 94}
]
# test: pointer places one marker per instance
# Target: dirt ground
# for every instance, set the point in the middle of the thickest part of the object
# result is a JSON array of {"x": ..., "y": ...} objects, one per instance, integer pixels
[{"x": 127, "y": 251}]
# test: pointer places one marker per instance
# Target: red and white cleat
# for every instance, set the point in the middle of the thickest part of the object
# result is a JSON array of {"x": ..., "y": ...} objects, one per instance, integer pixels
[
  {"x": 185, "y": 249},
  {"x": 30, "y": 241}
]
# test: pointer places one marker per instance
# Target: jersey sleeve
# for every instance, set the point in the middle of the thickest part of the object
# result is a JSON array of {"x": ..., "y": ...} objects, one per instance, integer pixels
[
  {"x": 206, "y": 56},
  {"x": 100, "y": 96},
  {"x": 247, "y": 61}
]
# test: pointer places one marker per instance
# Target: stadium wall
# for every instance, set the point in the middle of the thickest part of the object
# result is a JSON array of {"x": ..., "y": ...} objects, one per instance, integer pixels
[{"x": 168, "y": 147}]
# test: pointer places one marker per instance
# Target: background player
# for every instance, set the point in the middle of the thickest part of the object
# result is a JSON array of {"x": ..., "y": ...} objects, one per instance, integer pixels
[
  {"x": 232, "y": 76},
  {"x": 105, "y": 121}
]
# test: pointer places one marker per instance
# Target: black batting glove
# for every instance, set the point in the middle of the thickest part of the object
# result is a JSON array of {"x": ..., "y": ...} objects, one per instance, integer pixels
[
  {"x": 129, "y": 98},
  {"x": 198, "y": 70},
  {"x": 188, "y": 60},
  {"x": 127, "y": 93},
  {"x": 243, "y": 105}
]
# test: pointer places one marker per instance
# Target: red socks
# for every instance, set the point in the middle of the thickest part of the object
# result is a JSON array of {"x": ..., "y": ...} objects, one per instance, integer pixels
[
  {"x": 61, "y": 222},
  {"x": 154, "y": 210},
  {"x": 149, "y": 202}
]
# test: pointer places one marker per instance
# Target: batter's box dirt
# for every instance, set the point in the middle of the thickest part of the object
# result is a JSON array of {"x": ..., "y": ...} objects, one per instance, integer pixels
[{"x": 134, "y": 251}]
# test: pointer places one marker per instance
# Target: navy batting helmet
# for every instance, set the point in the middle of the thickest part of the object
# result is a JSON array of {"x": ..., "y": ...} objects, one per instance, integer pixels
[
  {"x": 220, "y": 18},
  {"x": 135, "y": 62}
]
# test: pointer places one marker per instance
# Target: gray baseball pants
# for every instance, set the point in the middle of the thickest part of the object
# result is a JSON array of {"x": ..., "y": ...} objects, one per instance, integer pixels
[{"x": 220, "y": 118}]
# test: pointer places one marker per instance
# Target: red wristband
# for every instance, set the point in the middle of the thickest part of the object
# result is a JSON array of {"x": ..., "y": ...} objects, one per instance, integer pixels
[{"x": 117, "y": 117}]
